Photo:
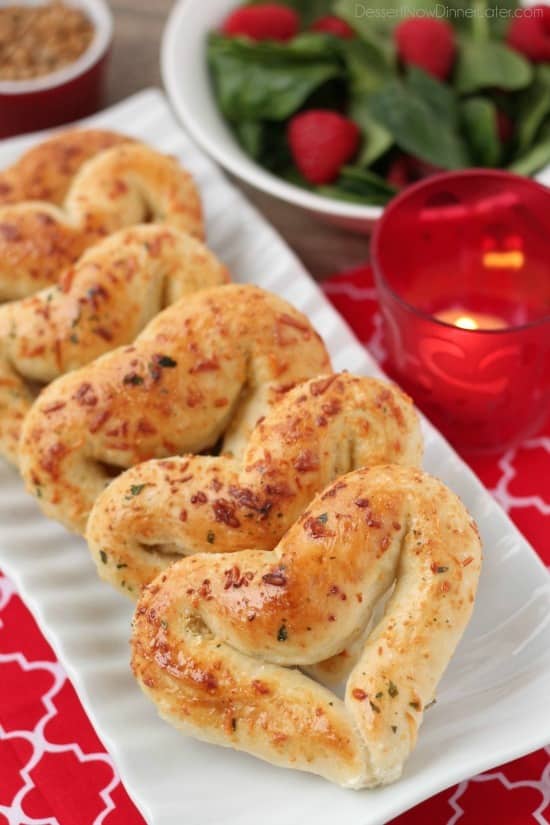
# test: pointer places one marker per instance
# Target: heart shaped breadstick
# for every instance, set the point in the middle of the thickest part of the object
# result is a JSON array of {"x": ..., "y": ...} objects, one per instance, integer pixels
[
  {"x": 216, "y": 637},
  {"x": 101, "y": 302},
  {"x": 322, "y": 428},
  {"x": 204, "y": 369},
  {"x": 45, "y": 171},
  {"x": 120, "y": 186}
]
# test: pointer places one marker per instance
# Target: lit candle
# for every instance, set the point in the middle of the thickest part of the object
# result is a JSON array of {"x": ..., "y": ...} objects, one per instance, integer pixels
[
  {"x": 466, "y": 309},
  {"x": 470, "y": 320}
]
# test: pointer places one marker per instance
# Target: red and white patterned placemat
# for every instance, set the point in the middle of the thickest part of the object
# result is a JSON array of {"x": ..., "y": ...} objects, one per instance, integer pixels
[{"x": 55, "y": 771}]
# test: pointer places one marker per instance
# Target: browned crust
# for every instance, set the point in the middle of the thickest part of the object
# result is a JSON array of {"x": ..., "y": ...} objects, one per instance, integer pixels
[
  {"x": 220, "y": 675},
  {"x": 100, "y": 303},
  {"x": 196, "y": 372},
  {"x": 81, "y": 193},
  {"x": 320, "y": 429},
  {"x": 45, "y": 172}
]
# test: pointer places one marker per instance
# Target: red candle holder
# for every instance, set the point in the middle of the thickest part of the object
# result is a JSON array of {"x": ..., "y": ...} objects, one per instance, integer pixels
[{"x": 462, "y": 265}]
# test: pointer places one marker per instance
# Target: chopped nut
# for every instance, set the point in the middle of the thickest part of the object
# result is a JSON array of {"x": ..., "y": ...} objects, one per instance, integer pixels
[{"x": 38, "y": 40}]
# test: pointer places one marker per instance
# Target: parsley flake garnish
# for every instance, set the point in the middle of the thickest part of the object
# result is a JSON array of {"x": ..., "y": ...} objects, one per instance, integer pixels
[
  {"x": 136, "y": 489},
  {"x": 132, "y": 378},
  {"x": 166, "y": 361},
  {"x": 282, "y": 634}
]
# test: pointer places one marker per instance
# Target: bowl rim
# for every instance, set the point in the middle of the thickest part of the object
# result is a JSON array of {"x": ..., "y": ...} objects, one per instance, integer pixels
[
  {"x": 242, "y": 166},
  {"x": 411, "y": 191},
  {"x": 102, "y": 20}
]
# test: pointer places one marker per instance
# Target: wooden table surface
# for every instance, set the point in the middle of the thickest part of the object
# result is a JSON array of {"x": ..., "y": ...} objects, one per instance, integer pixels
[{"x": 135, "y": 65}]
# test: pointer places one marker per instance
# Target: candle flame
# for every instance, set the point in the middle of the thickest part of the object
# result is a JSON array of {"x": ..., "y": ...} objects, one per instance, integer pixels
[
  {"x": 470, "y": 320},
  {"x": 504, "y": 260},
  {"x": 466, "y": 322}
]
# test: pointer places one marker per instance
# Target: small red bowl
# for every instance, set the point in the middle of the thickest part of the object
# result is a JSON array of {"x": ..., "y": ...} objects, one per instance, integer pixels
[{"x": 68, "y": 94}]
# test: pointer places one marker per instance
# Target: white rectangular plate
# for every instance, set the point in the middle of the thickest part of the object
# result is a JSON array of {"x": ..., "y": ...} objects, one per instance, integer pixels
[{"x": 492, "y": 704}]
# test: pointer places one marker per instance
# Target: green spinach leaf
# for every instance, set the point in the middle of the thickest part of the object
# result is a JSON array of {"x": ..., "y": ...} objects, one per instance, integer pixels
[
  {"x": 438, "y": 96},
  {"x": 417, "y": 126},
  {"x": 249, "y": 133},
  {"x": 360, "y": 186},
  {"x": 534, "y": 106},
  {"x": 479, "y": 118},
  {"x": 484, "y": 64},
  {"x": 366, "y": 65},
  {"x": 498, "y": 15},
  {"x": 367, "y": 69},
  {"x": 372, "y": 19},
  {"x": 536, "y": 158},
  {"x": 374, "y": 23},
  {"x": 255, "y": 81},
  {"x": 266, "y": 143},
  {"x": 376, "y": 138}
]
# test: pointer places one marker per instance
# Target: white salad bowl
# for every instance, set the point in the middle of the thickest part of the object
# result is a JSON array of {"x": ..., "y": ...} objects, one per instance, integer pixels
[{"x": 185, "y": 75}]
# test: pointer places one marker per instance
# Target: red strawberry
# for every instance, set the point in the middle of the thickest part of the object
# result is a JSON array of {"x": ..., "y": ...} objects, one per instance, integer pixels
[
  {"x": 505, "y": 126},
  {"x": 420, "y": 169},
  {"x": 267, "y": 21},
  {"x": 428, "y": 44},
  {"x": 398, "y": 172},
  {"x": 321, "y": 142},
  {"x": 405, "y": 169},
  {"x": 333, "y": 25},
  {"x": 529, "y": 33}
]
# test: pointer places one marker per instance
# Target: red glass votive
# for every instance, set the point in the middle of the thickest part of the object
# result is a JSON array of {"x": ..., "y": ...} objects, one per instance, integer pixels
[{"x": 469, "y": 249}]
